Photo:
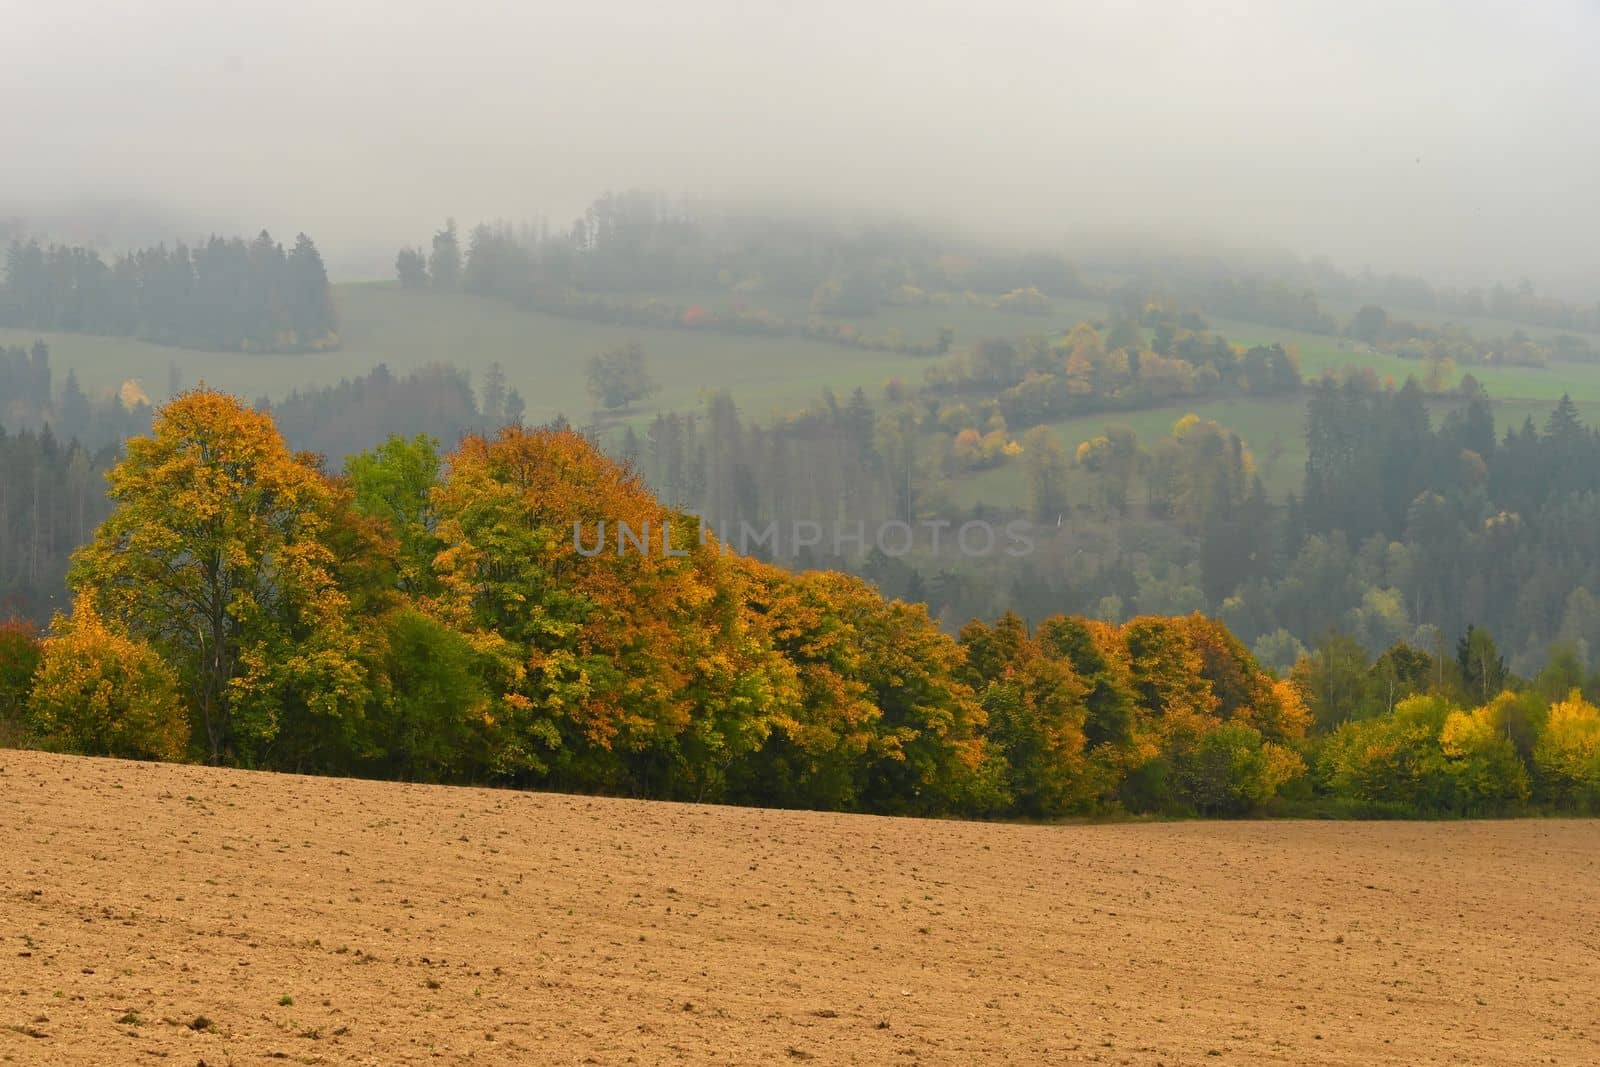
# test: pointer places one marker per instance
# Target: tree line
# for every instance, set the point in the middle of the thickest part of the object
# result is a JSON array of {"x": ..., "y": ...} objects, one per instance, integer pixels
[
  {"x": 431, "y": 617},
  {"x": 226, "y": 294}
]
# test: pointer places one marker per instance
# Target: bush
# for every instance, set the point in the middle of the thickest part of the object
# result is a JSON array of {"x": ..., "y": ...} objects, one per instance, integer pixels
[
  {"x": 19, "y": 659},
  {"x": 1231, "y": 771},
  {"x": 100, "y": 693},
  {"x": 1567, "y": 755},
  {"x": 1482, "y": 759},
  {"x": 1395, "y": 759}
]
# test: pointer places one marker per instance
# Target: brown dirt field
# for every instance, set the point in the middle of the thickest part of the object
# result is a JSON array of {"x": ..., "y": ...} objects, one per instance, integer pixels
[{"x": 416, "y": 924}]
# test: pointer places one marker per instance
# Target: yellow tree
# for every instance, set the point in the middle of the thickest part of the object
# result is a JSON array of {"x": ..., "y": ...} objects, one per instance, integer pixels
[
  {"x": 217, "y": 555},
  {"x": 1568, "y": 753},
  {"x": 100, "y": 693}
]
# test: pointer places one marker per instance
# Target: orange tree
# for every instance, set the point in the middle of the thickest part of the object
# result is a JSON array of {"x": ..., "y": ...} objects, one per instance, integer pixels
[{"x": 630, "y": 669}]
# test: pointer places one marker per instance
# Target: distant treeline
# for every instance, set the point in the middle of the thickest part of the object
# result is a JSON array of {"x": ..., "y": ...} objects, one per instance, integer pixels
[
  {"x": 644, "y": 243},
  {"x": 344, "y": 419},
  {"x": 1042, "y": 379},
  {"x": 1406, "y": 526},
  {"x": 630, "y": 251},
  {"x": 225, "y": 294},
  {"x": 1454, "y": 345},
  {"x": 1514, "y": 303},
  {"x": 52, "y": 496}
]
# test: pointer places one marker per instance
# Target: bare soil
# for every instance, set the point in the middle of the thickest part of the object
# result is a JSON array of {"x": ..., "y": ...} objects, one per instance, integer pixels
[{"x": 156, "y": 914}]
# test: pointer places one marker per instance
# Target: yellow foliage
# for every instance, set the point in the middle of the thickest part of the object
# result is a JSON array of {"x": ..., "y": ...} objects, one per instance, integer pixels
[
  {"x": 1568, "y": 752},
  {"x": 101, "y": 693}
]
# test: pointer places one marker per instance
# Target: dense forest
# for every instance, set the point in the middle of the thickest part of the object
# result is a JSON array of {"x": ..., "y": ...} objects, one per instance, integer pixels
[
  {"x": 433, "y": 617},
  {"x": 1406, "y": 526},
  {"x": 225, "y": 294}
]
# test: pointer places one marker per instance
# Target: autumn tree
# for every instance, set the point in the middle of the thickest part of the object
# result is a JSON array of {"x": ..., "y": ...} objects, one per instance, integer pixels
[
  {"x": 1481, "y": 756},
  {"x": 217, "y": 556},
  {"x": 1034, "y": 702},
  {"x": 627, "y": 666},
  {"x": 101, "y": 693},
  {"x": 1567, "y": 755}
]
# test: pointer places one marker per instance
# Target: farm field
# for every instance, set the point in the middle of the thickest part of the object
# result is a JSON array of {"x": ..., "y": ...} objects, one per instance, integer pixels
[{"x": 160, "y": 913}]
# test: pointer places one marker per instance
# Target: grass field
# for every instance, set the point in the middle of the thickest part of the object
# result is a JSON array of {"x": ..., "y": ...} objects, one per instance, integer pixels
[
  {"x": 169, "y": 914},
  {"x": 544, "y": 358}
]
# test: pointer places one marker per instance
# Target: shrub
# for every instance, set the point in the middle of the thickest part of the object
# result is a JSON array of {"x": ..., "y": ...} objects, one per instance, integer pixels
[
  {"x": 100, "y": 693},
  {"x": 19, "y": 659},
  {"x": 1393, "y": 759},
  {"x": 1567, "y": 755},
  {"x": 1483, "y": 761},
  {"x": 1231, "y": 771}
]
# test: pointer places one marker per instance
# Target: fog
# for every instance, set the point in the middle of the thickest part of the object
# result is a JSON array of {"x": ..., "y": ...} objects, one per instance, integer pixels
[{"x": 1453, "y": 139}]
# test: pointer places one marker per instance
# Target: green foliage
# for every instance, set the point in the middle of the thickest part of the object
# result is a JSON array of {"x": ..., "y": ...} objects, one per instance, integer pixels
[
  {"x": 1231, "y": 771},
  {"x": 617, "y": 377},
  {"x": 19, "y": 659},
  {"x": 429, "y": 719},
  {"x": 1431, "y": 758},
  {"x": 1395, "y": 758},
  {"x": 392, "y": 483}
]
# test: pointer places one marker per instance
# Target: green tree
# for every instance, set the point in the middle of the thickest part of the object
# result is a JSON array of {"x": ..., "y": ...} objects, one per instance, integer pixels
[
  {"x": 444, "y": 264},
  {"x": 394, "y": 482},
  {"x": 429, "y": 720},
  {"x": 411, "y": 268},
  {"x": 617, "y": 377},
  {"x": 1483, "y": 669},
  {"x": 19, "y": 659},
  {"x": 310, "y": 300},
  {"x": 1334, "y": 681}
]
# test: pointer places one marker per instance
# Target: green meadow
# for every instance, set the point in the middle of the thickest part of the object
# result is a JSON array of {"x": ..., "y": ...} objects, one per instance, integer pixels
[{"x": 543, "y": 356}]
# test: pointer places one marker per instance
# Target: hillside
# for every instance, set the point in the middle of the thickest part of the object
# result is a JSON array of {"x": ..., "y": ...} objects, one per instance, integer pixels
[
  {"x": 543, "y": 356},
  {"x": 154, "y": 913}
]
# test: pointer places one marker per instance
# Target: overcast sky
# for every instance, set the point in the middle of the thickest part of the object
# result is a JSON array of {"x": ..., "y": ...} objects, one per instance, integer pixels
[{"x": 1452, "y": 138}]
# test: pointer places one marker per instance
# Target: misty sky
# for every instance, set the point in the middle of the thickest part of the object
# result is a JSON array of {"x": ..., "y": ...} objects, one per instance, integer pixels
[{"x": 1456, "y": 139}]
